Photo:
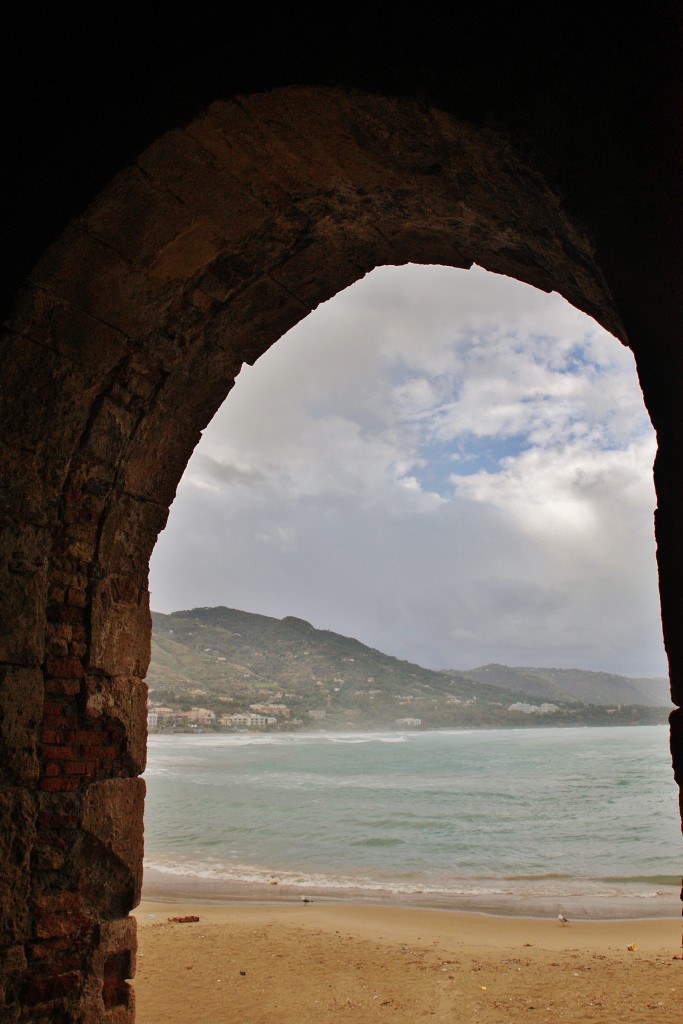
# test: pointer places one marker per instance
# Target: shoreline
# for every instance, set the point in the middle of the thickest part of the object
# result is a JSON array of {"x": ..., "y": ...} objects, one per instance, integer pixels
[{"x": 172, "y": 888}]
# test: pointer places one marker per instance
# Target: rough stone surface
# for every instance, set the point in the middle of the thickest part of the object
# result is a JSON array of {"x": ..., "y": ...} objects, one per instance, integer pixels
[
  {"x": 123, "y": 700},
  {"x": 121, "y": 627},
  {"x": 21, "y": 711},
  {"x": 112, "y": 815},
  {"x": 17, "y": 837}
]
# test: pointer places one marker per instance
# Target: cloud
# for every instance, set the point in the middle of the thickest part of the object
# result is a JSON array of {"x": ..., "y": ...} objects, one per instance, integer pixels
[
  {"x": 211, "y": 474},
  {"x": 449, "y": 465}
]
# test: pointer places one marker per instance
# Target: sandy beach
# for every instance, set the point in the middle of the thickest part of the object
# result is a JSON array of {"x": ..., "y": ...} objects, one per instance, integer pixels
[{"x": 291, "y": 962}]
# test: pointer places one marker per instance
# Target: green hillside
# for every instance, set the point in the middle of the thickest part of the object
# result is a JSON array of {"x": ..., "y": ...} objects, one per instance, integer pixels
[
  {"x": 575, "y": 684},
  {"x": 226, "y": 661}
]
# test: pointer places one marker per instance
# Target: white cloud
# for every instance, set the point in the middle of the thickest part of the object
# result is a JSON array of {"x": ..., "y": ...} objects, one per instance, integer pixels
[{"x": 449, "y": 465}]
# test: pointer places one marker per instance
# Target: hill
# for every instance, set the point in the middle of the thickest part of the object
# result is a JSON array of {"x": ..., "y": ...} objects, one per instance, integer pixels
[
  {"x": 575, "y": 684},
  {"x": 226, "y": 662}
]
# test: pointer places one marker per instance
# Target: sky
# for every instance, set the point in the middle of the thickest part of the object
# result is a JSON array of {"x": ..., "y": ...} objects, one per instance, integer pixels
[{"x": 448, "y": 465}]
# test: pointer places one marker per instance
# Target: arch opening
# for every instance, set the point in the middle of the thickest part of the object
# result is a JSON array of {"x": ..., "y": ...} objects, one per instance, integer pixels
[{"x": 333, "y": 486}]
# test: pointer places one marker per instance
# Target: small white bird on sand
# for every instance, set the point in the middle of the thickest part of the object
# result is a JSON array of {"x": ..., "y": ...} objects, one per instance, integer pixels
[{"x": 562, "y": 919}]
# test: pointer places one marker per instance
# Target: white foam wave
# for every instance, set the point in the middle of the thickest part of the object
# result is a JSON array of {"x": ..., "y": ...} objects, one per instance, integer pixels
[{"x": 486, "y": 889}]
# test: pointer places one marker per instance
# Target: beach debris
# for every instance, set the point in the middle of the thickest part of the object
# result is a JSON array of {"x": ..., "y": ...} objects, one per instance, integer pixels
[
  {"x": 306, "y": 899},
  {"x": 484, "y": 988},
  {"x": 243, "y": 974},
  {"x": 189, "y": 919},
  {"x": 562, "y": 919},
  {"x": 632, "y": 947}
]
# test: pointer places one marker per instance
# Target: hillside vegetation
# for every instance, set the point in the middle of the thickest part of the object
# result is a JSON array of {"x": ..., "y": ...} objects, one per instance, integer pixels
[
  {"x": 227, "y": 661},
  {"x": 553, "y": 684}
]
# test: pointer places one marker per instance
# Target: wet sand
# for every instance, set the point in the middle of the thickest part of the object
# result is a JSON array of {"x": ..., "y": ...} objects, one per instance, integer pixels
[{"x": 290, "y": 962}]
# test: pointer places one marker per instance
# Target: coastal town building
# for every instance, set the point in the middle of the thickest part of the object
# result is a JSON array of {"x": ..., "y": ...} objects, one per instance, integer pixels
[
  {"x": 280, "y": 710},
  {"x": 533, "y": 709},
  {"x": 247, "y": 721}
]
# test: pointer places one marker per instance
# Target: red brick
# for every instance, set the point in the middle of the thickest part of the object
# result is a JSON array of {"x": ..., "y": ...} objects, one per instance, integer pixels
[
  {"x": 66, "y": 959},
  {"x": 54, "y": 925},
  {"x": 58, "y": 903},
  {"x": 59, "y": 753},
  {"x": 52, "y": 770},
  {"x": 59, "y": 785},
  {"x": 65, "y": 668},
  {"x": 108, "y": 753},
  {"x": 45, "y": 948},
  {"x": 76, "y": 768},
  {"x": 53, "y": 709},
  {"x": 58, "y": 727},
  {"x": 50, "y": 819},
  {"x": 63, "y": 687},
  {"x": 89, "y": 737},
  {"x": 65, "y": 613},
  {"x": 76, "y": 598},
  {"x": 43, "y": 990},
  {"x": 51, "y": 736}
]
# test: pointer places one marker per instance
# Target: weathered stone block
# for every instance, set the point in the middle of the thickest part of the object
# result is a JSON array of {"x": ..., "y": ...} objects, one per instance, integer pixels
[
  {"x": 52, "y": 926},
  {"x": 21, "y": 706},
  {"x": 47, "y": 402},
  {"x": 129, "y": 533},
  {"x": 103, "y": 285},
  {"x": 23, "y": 585},
  {"x": 27, "y": 492},
  {"x": 156, "y": 479},
  {"x": 121, "y": 627},
  {"x": 12, "y": 968},
  {"x": 205, "y": 186},
  {"x": 17, "y": 836},
  {"x": 135, "y": 217},
  {"x": 106, "y": 995},
  {"x": 109, "y": 432},
  {"x": 188, "y": 255},
  {"x": 112, "y": 815},
  {"x": 122, "y": 699},
  {"x": 261, "y": 313},
  {"x": 60, "y": 325}
]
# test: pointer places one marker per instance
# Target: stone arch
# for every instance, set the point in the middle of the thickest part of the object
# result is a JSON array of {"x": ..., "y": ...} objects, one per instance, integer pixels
[{"x": 124, "y": 342}]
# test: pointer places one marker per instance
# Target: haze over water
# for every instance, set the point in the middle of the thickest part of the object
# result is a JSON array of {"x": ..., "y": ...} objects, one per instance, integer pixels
[{"x": 524, "y": 821}]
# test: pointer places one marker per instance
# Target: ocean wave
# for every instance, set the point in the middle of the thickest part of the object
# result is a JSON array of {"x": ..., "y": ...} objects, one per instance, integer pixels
[
  {"x": 352, "y": 740},
  {"x": 547, "y": 887}
]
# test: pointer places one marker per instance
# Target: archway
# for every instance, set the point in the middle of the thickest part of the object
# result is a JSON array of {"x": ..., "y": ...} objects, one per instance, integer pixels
[{"x": 125, "y": 341}]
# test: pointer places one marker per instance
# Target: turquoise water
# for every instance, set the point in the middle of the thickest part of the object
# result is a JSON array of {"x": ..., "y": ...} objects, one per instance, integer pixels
[{"x": 493, "y": 815}]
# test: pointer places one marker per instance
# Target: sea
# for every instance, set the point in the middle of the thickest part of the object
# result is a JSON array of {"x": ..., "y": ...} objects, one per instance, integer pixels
[{"x": 579, "y": 821}]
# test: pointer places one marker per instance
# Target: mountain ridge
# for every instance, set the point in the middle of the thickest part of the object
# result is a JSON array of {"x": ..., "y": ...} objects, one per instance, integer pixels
[
  {"x": 586, "y": 685},
  {"x": 230, "y": 661}
]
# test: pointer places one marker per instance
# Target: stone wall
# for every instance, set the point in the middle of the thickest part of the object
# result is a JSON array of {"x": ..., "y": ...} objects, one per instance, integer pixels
[{"x": 122, "y": 345}]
